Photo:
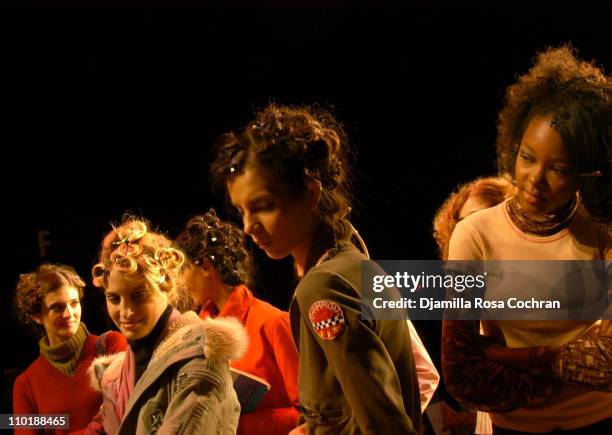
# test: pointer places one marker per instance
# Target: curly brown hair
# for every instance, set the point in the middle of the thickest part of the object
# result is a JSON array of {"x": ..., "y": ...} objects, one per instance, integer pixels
[
  {"x": 578, "y": 96},
  {"x": 132, "y": 249},
  {"x": 297, "y": 144},
  {"x": 32, "y": 288},
  {"x": 206, "y": 237},
  {"x": 490, "y": 190}
]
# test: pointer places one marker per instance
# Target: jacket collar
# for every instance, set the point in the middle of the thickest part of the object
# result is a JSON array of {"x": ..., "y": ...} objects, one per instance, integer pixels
[
  {"x": 186, "y": 345},
  {"x": 189, "y": 337},
  {"x": 237, "y": 305}
]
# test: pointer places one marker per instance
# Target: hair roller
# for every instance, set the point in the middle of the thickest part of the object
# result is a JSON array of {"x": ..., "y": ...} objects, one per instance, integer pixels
[
  {"x": 98, "y": 273},
  {"x": 169, "y": 258},
  {"x": 132, "y": 231},
  {"x": 125, "y": 264}
]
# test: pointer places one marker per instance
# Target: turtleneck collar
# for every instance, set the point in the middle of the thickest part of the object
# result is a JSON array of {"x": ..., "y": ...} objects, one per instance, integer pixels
[
  {"x": 64, "y": 356},
  {"x": 143, "y": 347}
]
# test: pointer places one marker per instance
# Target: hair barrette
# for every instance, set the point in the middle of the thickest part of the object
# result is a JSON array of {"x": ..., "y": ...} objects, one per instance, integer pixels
[
  {"x": 130, "y": 249},
  {"x": 556, "y": 123},
  {"x": 591, "y": 174},
  {"x": 122, "y": 241},
  {"x": 597, "y": 173}
]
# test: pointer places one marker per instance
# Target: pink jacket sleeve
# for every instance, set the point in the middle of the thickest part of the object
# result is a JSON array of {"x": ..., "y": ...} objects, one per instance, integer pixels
[{"x": 428, "y": 376}]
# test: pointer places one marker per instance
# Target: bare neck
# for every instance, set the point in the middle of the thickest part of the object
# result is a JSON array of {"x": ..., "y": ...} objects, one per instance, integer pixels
[
  {"x": 221, "y": 293},
  {"x": 320, "y": 241}
]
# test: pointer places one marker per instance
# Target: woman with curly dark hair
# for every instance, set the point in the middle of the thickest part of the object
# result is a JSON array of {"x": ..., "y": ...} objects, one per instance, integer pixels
[
  {"x": 287, "y": 174},
  {"x": 219, "y": 272},
  {"x": 57, "y": 382},
  {"x": 555, "y": 132}
]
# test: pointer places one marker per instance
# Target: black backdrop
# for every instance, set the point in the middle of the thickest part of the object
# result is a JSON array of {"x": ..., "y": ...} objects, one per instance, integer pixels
[{"x": 109, "y": 109}]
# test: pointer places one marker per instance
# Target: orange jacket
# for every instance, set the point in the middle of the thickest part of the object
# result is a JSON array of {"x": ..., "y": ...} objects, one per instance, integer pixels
[{"x": 271, "y": 355}]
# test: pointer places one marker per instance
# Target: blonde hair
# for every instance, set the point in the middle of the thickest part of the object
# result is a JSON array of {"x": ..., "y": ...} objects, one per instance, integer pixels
[{"x": 134, "y": 251}]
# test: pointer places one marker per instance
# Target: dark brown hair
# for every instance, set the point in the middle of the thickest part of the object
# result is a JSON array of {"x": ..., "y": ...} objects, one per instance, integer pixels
[
  {"x": 578, "y": 96},
  {"x": 298, "y": 145},
  {"x": 32, "y": 288},
  {"x": 206, "y": 237}
]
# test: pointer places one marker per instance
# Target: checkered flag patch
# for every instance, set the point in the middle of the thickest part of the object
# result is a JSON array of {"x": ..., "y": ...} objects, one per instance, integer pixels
[
  {"x": 336, "y": 320},
  {"x": 327, "y": 319}
]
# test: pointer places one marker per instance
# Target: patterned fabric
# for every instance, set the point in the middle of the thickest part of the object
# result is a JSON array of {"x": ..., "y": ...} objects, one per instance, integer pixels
[
  {"x": 586, "y": 361},
  {"x": 327, "y": 319},
  {"x": 493, "y": 387},
  {"x": 337, "y": 320}
]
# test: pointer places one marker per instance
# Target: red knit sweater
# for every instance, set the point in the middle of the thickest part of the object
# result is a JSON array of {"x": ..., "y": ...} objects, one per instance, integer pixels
[{"x": 43, "y": 389}]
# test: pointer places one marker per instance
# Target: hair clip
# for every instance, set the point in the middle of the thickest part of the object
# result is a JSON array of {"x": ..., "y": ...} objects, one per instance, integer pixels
[
  {"x": 347, "y": 211},
  {"x": 591, "y": 174},
  {"x": 130, "y": 248},
  {"x": 555, "y": 123},
  {"x": 597, "y": 173},
  {"x": 257, "y": 125},
  {"x": 122, "y": 241},
  {"x": 310, "y": 174}
]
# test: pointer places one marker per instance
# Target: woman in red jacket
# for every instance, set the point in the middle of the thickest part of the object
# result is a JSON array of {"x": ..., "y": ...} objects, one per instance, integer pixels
[
  {"x": 57, "y": 381},
  {"x": 218, "y": 274}
]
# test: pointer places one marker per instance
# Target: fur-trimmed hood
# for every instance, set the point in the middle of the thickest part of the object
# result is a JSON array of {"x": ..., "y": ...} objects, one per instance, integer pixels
[
  {"x": 224, "y": 339},
  {"x": 105, "y": 365}
]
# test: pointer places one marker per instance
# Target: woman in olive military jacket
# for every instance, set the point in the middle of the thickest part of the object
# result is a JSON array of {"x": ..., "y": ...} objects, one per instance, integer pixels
[{"x": 287, "y": 175}]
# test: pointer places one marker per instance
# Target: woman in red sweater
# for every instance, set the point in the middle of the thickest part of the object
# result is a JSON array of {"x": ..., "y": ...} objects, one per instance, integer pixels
[
  {"x": 57, "y": 381},
  {"x": 218, "y": 274}
]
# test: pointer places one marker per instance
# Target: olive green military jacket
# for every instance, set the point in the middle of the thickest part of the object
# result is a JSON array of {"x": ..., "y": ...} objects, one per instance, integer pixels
[{"x": 356, "y": 376}]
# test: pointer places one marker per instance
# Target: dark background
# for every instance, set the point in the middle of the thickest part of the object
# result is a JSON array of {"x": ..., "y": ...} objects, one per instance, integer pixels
[{"x": 109, "y": 108}]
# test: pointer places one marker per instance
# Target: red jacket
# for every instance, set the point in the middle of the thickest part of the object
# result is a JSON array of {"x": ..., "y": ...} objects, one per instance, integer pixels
[
  {"x": 271, "y": 355},
  {"x": 43, "y": 389}
]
